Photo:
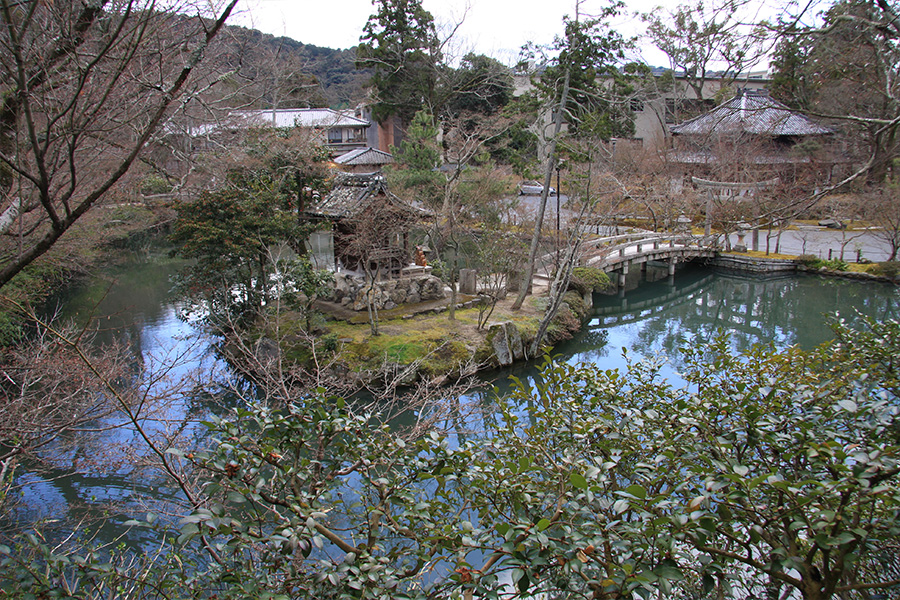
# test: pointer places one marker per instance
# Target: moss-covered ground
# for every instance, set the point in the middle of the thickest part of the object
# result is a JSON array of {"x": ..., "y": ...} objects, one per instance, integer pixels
[{"x": 440, "y": 345}]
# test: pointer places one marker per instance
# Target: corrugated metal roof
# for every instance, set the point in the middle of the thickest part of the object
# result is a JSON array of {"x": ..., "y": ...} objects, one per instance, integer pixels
[
  {"x": 751, "y": 113},
  {"x": 300, "y": 117},
  {"x": 364, "y": 156},
  {"x": 322, "y": 118}
]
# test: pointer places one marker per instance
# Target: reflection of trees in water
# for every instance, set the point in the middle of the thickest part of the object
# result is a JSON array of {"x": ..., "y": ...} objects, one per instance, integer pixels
[
  {"x": 783, "y": 311},
  {"x": 593, "y": 345}
]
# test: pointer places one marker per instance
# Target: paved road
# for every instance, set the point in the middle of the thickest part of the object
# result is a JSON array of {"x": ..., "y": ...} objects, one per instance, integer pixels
[
  {"x": 807, "y": 239},
  {"x": 818, "y": 241}
]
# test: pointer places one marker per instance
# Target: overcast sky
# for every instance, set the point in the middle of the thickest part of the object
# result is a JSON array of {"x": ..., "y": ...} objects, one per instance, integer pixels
[{"x": 497, "y": 28}]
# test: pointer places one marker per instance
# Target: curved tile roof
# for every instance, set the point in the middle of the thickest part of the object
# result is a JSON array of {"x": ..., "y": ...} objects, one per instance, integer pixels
[
  {"x": 751, "y": 113},
  {"x": 353, "y": 193},
  {"x": 364, "y": 156}
]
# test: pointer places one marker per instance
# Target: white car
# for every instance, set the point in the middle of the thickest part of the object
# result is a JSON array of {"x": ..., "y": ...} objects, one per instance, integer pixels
[{"x": 533, "y": 188}]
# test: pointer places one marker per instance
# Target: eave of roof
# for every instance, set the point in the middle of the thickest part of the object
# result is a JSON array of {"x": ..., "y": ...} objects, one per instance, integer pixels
[
  {"x": 708, "y": 158},
  {"x": 754, "y": 114},
  {"x": 300, "y": 117},
  {"x": 351, "y": 195},
  {"x": 364, "y": 156}
]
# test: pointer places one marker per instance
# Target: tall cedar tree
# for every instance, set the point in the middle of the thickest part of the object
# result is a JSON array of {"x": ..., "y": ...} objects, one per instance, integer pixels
[{"x": 400, "y": 45}]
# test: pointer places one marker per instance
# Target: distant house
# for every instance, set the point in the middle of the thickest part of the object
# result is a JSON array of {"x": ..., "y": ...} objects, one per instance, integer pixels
[
  {"x": 678, "y": 101},
  {"x": 751, "y": 146},
  {"x": 752, "y": 137},
  {"x": 339, "y": 131},
  {"x": 674, "y": 101},
  {"x": 365, "y": 227},
  {"x": 363, "y": 160}
]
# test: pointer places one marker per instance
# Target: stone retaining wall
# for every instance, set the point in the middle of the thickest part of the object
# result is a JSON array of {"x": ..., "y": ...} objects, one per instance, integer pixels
[
  {"x": 754, "y": 264},
  {"x": 350, "y": 291}
]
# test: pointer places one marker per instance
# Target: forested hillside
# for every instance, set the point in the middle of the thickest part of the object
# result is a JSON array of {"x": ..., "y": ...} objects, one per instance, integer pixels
[{"x": 268, "y": 71}]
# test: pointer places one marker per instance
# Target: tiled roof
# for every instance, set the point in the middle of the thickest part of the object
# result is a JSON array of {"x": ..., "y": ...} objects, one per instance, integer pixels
[
  {"x": 364, "y": 156},
  {"x": 751, "y": 113},
  {"x": 353, "y": 193},
  {"x": 705, "y": 157}
]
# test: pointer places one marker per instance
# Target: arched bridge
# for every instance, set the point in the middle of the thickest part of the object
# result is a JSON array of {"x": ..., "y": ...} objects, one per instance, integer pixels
[{"x": 618, "y": 252}]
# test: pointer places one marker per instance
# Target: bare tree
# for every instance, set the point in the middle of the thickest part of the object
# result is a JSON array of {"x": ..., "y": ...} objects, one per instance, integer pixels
[
  {"x": 701, "y": 40},
  {"x": 375, "y": 245},
  {"x": 500, "y": 257},
  {"x": 844, "y": 64},
  {"x": 883, "y": 211},
  {"x": 465, "y": 135},
  {"x": 84, "y": 88}
]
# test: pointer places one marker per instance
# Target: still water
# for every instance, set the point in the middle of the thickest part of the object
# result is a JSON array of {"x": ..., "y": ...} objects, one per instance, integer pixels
[
  {"x": 99, "y": 473},
  {"x": 656, "y": 318},
  {"x": 656, "y": 315},
  {"x": 649, "y": 319}
]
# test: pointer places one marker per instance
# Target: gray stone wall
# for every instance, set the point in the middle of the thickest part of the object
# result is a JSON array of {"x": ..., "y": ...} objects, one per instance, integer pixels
[{"x": 350, "y": 291}]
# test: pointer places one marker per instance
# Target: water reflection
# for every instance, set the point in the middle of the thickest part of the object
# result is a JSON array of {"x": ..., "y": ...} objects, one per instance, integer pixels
[
  {"x": 659, "y": 317},
  {"x": 97, "y": 475},
  {"x": 654, "y": 316}
]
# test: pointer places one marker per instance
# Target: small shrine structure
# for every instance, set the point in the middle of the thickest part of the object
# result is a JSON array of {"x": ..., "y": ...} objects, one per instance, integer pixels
[{"x": 365, "y": 228}]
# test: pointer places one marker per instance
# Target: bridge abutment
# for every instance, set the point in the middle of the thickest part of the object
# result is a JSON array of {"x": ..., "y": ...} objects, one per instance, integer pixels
[{"x": 623, "y": 273}]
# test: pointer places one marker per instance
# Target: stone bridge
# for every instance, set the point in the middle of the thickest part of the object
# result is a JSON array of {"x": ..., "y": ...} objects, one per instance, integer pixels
[{"x": 617, "y": 253}]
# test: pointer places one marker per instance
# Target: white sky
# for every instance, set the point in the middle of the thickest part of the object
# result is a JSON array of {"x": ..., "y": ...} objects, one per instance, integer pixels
[{"x": 496, "y": 28}]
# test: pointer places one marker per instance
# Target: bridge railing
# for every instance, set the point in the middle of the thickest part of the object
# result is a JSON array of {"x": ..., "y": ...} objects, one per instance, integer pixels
[
  {"x": 616, "y": 239},
  {"x": 618, "y": 246}
]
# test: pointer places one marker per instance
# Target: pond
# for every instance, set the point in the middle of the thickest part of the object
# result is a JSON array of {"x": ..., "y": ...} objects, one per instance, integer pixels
[
  {"x": 655, "y": 315},
  {"x": 652, "y": 317}
]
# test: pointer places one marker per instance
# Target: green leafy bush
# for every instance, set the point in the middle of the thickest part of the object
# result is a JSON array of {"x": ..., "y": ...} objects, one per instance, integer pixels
[
  {"x": 154, "y": 184},
  {"x": 587, "y": 483},
  {"x": 835, "y": 264},
  {"x": 813, "y": 262}
]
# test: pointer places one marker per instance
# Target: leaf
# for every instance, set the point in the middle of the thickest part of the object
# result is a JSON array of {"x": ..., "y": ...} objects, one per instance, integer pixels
[
  {"x": 637, "y": 491},
  {"x": 741, "y": 470},
  {"x": 669, "y": 572},
  {"x": 523, "y": 583},
  {"x": 235, "y": 497},
  {"x": 543, "y": 524},
  {"x": 843, "y": 538},
  {"x": 188, "y": 532},
  {"x": 709, "y": 583},
  {"x": 848, "y": 405},
  {"x": 578, "y": 481}
]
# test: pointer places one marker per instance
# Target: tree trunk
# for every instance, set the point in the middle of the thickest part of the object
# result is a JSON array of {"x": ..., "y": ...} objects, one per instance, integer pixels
[
  {"x": 548, "y": 177},
  {"x": 454, "y": 276},
  {"x": 557, "y": 291}
]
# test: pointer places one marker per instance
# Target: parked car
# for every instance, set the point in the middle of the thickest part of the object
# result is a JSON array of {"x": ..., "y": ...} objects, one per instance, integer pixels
[{"x": 533, "y": 188}]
